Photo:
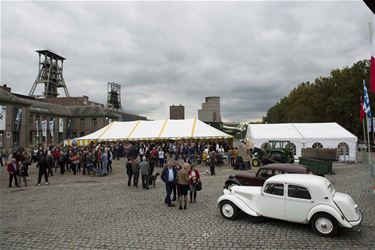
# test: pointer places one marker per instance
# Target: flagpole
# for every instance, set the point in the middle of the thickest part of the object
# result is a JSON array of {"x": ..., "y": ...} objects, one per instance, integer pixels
[{"x": 364, "y": 136}]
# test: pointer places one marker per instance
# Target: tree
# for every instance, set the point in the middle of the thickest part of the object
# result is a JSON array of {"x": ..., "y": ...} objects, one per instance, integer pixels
[{"x": 335, "y": 98}]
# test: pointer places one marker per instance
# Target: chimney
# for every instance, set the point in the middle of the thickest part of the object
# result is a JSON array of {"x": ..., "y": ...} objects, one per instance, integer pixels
[{"x": 6, "y": 88}]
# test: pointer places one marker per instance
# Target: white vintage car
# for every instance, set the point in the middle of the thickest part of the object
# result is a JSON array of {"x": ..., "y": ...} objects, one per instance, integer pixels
[{"x": 296, "y": 198}]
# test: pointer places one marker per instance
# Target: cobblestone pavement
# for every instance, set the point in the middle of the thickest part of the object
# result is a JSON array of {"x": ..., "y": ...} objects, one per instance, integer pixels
[{"x": 81, "y": 212}]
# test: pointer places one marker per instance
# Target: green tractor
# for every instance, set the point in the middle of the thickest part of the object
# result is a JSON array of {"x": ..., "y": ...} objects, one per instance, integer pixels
[{"x": 273, "y": 152}]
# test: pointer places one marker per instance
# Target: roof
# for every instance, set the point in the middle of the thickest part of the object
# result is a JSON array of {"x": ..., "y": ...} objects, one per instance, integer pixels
[
  {"x": 49, "y": 53},
  {"x": 298, "y": 131},
  {"x": 91, "y": 111},
  {"x": 159, "y": 129},
  {"x": 302, "y": 179},
  {"x": 49, "y": 108},
  {"x": 7, "y": 97},
  {"x": 323, "y": 130}
]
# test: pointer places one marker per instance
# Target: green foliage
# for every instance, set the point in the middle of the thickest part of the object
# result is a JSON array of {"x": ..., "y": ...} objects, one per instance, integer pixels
[{"x": 335, "y": 98}]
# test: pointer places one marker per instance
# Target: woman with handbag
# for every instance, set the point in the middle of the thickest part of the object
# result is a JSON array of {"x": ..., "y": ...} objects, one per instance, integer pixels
[{"x": 194, "y": 179}]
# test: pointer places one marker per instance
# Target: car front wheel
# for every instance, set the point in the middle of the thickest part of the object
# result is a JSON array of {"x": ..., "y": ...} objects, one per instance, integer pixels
[
  {"x": 228, "y": 210},
  {"x": 255, "y": 162},
  {"x": 324, "y": 224}
]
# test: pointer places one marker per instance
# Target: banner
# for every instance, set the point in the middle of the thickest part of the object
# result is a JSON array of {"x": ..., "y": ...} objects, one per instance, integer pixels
[
  {"x": 37, "y": 128},
  {"x": 68, "y": 129},
  {"x": 44, "y": 128},
  {"x": 3, "y": 112},
  {"x": 17, "y": 115},
  {"x": 61, "y": 125},
  {"x": 51, "y": 127}
]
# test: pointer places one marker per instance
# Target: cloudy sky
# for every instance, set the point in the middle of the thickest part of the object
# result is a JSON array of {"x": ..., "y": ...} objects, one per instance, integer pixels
[{"x": 249, "y": 53}]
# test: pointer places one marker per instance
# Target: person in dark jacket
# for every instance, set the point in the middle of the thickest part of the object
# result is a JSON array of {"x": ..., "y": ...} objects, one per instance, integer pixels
[
  {"x": 212, "y": 162},
  {"x": 169, "y": 176},
  {"x": 61, "y": 162},
  {"x": 13, "y": 171},
  {"x": 43, "y": 166},
  {"x": 50, "y": 163},
  {"x": 24, "y": 167},
  {"x": 135, "y": 169},
  {"x": 129, "y": 172}
]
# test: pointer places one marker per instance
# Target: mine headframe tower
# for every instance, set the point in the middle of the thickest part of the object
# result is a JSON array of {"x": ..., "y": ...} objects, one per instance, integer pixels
[
  {"x": 50, "y": 74},
  {"x": 114, "y": 96}
]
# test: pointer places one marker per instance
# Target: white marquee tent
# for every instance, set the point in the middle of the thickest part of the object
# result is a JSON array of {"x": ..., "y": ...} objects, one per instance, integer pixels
[
  {"x": 306, "y": 135},
  {"x": 152, "y": 130}
]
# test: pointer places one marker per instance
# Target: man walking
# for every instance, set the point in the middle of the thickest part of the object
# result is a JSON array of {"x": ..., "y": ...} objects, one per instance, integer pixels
[
  {"x": 43, "y": 165},
  {"x": 50, "y": 163},
  {"x": 12, "y": 169},
  {"x": 129, "y": 171},
  {"x": 212, "y": 159},
  {"x": 135, "y": 170},
  {"x": 169, "y": 176},
  {"x": 145, "y": 172}
]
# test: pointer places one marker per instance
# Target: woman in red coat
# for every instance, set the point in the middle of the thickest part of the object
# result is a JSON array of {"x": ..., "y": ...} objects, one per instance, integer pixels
[{"x": 193, "y": 180}]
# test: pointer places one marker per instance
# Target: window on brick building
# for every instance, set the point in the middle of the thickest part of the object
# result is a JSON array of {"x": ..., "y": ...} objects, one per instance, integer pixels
[{"x": 94, "y": 123}]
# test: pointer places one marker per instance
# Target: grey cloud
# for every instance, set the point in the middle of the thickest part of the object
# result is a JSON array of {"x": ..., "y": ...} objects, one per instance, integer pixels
[{"x": 249, "y": 53}]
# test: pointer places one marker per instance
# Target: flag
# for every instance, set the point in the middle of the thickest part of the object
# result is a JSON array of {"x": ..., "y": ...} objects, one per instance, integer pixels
[
  {"x": 366, "y": 102},
  {"x": 51, "y": 127},
  {"x": 372, "y": 60},
  {"x": 44, "y": 128},
  {"x": 362, "y": 113}
]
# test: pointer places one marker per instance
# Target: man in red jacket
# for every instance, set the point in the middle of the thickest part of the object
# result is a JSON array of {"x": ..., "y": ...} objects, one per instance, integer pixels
[{"x": 13, "y": 169}]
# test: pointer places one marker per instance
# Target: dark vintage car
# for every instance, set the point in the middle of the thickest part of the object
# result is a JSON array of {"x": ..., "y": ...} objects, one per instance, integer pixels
[{"x": 265, "y": 172}]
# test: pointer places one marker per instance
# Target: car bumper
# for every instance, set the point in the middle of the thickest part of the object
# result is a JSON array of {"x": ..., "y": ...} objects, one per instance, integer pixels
[{"x": 356, "y": 225}]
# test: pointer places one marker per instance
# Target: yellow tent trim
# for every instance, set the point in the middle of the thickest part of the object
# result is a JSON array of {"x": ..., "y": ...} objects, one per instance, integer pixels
[
  {"x": 162, "y": 129},
  {"x": 193, "y": 129},
  {"x": 110, "y": 125},
  {"x": 131, "y": 132}
]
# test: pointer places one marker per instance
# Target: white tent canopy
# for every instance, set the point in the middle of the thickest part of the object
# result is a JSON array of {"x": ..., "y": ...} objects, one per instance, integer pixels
[
  {"x": 305, "y": 135},
  {"x": 152, "y": 130}
]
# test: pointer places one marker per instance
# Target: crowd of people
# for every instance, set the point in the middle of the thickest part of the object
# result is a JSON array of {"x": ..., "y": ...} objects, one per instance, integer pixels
[{"x": 142, "y": 159}]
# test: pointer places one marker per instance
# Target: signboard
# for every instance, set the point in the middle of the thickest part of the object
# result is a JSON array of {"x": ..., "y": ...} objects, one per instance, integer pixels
[
  {"x": 61, "y": 125},
  {"x": 51, "y": 126},
  {"x": 3, "y": 112},
  {"x": 17, "y": 118},
  {"x": 44, "y": 128}
]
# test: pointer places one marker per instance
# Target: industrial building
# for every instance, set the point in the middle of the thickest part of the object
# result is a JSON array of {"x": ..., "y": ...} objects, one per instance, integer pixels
[
  {"x": 177, "y": 112},
  {"x": 30, "y": 120},
  {"x": 210, "y": 112}
]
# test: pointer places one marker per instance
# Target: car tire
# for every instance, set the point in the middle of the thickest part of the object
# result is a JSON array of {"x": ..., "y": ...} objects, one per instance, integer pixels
[
  {"x": 228, "y": 210},
  {"x": 255, "y": 163},
  {"x": 324, "y": 224}
]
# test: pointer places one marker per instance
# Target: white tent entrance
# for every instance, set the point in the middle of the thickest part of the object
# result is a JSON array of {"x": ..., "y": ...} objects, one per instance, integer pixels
[{"x": 193, "y": 129}]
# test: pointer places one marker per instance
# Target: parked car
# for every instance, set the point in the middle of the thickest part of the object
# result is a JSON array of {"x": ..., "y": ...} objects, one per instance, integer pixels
[
  {"x": 307, "y": 199},
  {"x": 263, "y": 173}
]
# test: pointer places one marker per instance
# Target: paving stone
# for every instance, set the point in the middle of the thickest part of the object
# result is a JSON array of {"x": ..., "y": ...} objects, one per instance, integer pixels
[{"x": 82, "y": 212}]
